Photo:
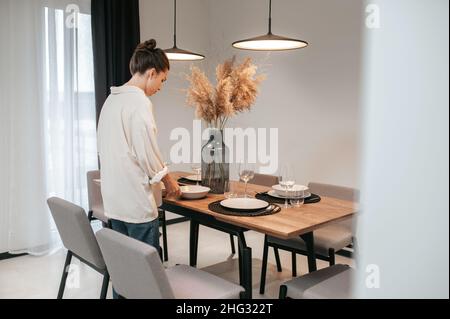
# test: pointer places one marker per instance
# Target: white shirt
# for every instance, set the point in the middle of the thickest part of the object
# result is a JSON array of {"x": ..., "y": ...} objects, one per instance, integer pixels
[{"x": 129, "y": 156}]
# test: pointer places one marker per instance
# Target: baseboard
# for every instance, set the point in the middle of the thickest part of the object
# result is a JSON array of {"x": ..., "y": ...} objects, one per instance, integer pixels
[{"x": 4, "y": 256}]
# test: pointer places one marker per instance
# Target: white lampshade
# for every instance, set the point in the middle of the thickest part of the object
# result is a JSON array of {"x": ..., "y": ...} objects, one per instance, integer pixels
[
  {"x": 270, "y": 41},
  {"x": 177, "y": 54}
]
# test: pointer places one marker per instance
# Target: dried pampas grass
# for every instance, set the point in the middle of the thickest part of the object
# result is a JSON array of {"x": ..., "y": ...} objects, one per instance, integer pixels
[{"x": 235, "y": 92}]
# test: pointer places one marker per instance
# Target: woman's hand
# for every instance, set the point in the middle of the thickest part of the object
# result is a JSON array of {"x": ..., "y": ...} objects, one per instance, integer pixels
[{"x": 172, "y": 188}]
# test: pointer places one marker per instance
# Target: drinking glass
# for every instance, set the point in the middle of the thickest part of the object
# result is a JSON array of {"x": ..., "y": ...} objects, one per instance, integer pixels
[
  {"x": 197, "y": 168},
  {"x": 287, "y": 181},
  {"x": 231, "y": 190},
  {"x": 246, "y": 174},
  {"x": 298, "y": 198}
]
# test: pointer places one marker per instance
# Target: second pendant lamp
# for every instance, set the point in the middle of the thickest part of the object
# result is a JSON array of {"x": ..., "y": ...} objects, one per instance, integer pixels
[
  {"x": 270, "y": 41},
  {"x": 177, "y": 54}
]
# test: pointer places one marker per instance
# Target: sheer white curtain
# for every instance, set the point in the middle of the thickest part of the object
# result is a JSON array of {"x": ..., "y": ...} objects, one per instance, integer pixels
[{"x": 47, "y": 128}]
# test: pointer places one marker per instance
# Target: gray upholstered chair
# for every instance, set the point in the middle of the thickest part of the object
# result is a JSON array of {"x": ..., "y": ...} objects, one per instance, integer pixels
[
  {"x": 79, "y": 239},
  {"x": 334, "y": 282},
  {"x": 97, "y": 212},
  {"x": 262, "y": 180},
  {"x": 268, "y": 181},
  {"x": 137, "y": 273},
  {"x": 327, "y": 240}
]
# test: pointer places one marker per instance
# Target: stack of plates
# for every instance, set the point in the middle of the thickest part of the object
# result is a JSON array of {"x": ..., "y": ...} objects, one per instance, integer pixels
[
  {"x": 279, "y": 192},
  {"x": 244, "y": 204}
]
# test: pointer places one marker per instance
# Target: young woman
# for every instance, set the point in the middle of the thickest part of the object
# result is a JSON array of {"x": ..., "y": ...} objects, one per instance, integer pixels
[{"x": 129, "y": 154}]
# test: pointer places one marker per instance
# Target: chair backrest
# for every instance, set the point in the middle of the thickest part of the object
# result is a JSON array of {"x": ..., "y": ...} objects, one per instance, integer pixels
[
  {"x": 94, "y": 190},
  {"x": 264, "y": 180},
  {"x": 135, "y": 267},
  {"x": 75, "y": 231},
  {"x": 340, "y": 192}
]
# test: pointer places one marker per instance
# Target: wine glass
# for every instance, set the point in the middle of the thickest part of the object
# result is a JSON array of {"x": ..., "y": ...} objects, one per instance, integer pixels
[
  {"x": 246, "y": 174},
  {"x": 287, "y": 181},
  {"x": 197, "y": 169}
]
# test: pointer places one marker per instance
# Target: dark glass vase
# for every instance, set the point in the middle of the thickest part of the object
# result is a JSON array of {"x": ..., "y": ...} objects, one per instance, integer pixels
[{"x": 215, "y": 163}]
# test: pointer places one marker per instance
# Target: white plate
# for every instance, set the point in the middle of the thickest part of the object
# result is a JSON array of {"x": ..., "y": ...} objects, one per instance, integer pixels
[
  {"x": 194, "y": 192},
  {"x": 296, "y": 188},
  {"x": 194, "y": 178},
  {"x": 275, "y": 194},
  {"x": 244, "y": 203}
]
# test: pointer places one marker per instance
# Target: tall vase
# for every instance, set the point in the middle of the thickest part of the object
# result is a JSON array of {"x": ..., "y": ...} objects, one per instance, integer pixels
[{"x": 215, "y": 163}]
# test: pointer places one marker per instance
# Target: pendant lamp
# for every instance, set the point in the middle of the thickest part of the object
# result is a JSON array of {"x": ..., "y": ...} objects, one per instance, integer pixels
[
  {"x": 270, "y": 42},
  {"x": 177, "y": 54}
]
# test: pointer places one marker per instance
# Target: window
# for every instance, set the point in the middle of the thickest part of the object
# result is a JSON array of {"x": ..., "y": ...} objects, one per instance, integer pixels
[{"x": 69, "y": 102}]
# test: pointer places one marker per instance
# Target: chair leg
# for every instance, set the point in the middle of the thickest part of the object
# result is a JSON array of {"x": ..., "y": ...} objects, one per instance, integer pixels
[
  {"x": 105, "y": 285},
  {"x": 233, "y": 248},
  {"x": 332, "y": 256},
  {"x": 294, "y": 264},
  {"x": 62, "y": 285},
  {"x": 283, "y": 292},
  {"x": 193, "y": 243},
  {"x": 90, "y": 215},
  {"x": 160, "y": 253},
  {"x": 164, "y": 232},
  {"x": 277, "y": 259},
  {"x": 262, "y": 286}
]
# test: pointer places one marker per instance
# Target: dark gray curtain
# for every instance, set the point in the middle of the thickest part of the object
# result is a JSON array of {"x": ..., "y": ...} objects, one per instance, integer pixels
[{"x": 115, "y": 35}]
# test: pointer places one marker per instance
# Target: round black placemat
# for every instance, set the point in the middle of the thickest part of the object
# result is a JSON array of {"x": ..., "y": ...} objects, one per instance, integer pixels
[
  {"x": 217, "y": 208},
  {"x": 275, "y": 200}
]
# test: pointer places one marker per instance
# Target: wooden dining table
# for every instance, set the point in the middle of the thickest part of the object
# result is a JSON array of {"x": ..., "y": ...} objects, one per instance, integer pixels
[{"x": 289, "y": 223}]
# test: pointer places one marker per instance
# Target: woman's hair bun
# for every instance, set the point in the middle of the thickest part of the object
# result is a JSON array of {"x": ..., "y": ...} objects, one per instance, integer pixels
[
  {"x": 149, "y": 45},
  {"x": 147, "y": 56}
]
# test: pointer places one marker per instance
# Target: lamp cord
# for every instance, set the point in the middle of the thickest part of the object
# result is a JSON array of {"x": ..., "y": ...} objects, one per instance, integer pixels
[
  {"x": 175, "y": 25},
  {"x": 270, "y": 16}
]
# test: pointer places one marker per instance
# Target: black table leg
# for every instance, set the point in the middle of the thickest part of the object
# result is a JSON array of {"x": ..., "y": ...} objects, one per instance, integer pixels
[
  {"x": 309, "y": 241},
  {"x": 193, "y": 249},
  {"x": 246, "y": 253}
]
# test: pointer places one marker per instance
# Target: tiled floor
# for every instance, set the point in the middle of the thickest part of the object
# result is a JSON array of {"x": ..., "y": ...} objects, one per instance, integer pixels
[{"x": 38, "y": 277}]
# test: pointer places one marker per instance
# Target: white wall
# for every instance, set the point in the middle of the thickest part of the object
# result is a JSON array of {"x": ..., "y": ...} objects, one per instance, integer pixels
[
  {"x": 404, "y": 221},
  {"x": 311, "y": 95}
]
